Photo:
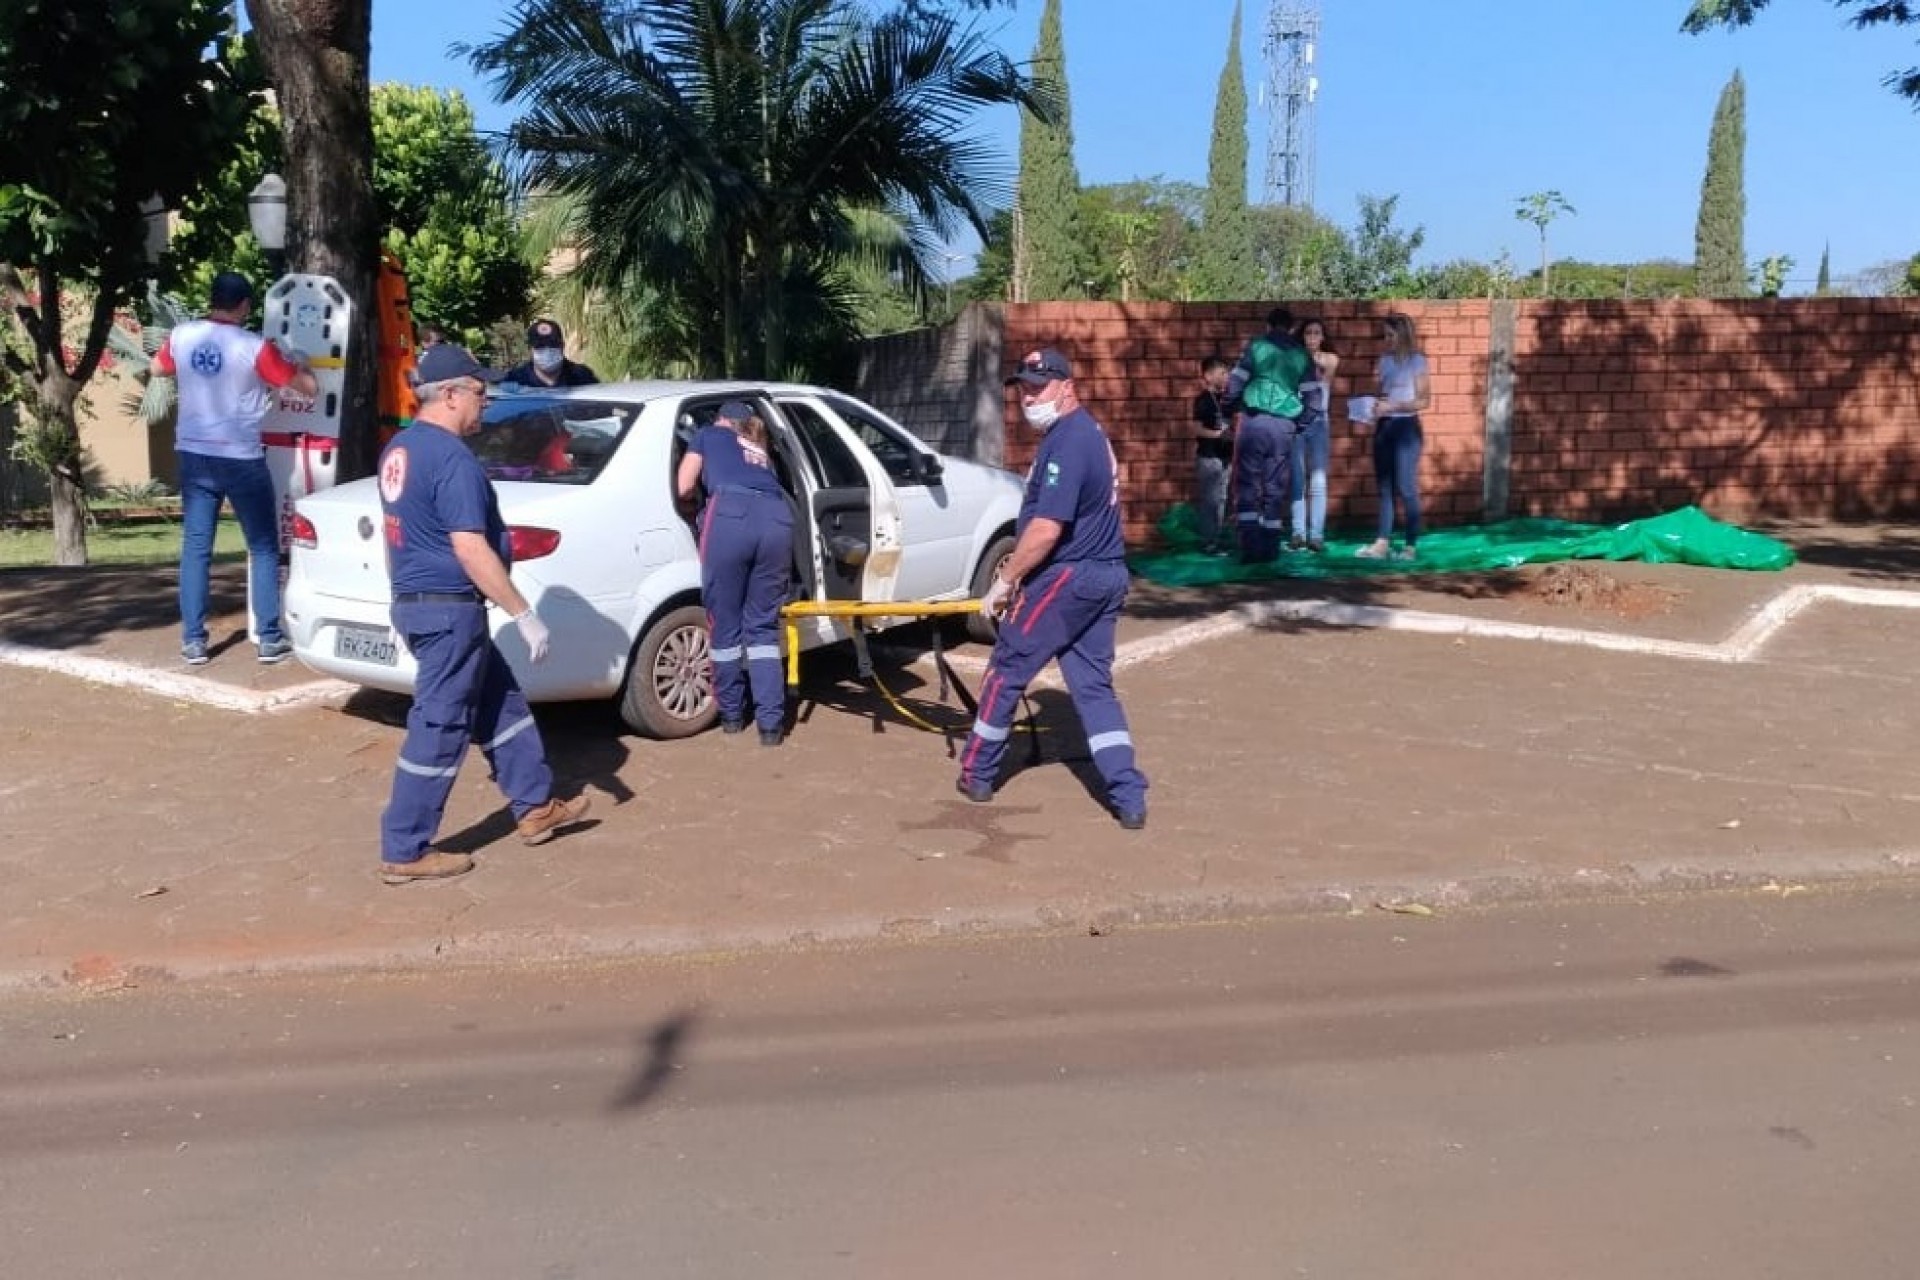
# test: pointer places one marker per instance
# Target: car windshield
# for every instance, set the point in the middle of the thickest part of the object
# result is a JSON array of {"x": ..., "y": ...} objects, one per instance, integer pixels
[{"x": 549, "y": 441}]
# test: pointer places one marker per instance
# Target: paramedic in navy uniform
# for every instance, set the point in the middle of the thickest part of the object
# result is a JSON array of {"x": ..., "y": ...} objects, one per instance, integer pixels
[
  {"x": 448, "y": 556},
  {"x": 746, "y": 559},
  {"x": 1059, "y": 593}
]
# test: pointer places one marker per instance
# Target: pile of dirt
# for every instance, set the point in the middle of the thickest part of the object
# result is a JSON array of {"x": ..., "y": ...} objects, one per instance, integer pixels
[{"x": 1575, "y": 585}]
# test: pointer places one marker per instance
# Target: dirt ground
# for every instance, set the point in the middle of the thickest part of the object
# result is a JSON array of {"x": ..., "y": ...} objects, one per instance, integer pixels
[{"x": 1290, "y": 764}]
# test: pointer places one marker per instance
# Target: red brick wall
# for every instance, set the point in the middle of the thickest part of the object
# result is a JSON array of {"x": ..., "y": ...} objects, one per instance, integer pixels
[{"x": 1801, "y": 407}]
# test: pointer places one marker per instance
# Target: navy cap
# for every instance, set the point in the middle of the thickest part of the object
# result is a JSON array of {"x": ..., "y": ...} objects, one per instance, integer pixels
[
  {"x": 545, "y": 333},
  {"x": 229, "y": 290},
  {"x": 1041, "y": 367},
  {"x": 735, "y": 411},
  {"x": 444, "y": 362}
]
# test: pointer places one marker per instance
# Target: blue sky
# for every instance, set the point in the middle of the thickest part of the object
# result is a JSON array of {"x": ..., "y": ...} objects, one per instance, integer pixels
[{"x": 1460, "y": 108}]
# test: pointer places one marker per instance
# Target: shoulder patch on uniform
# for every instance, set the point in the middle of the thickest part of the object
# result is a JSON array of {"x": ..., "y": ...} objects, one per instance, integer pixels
[
  {"x": 1053, "y": 473},
  {"x": 393, "y": 473}
]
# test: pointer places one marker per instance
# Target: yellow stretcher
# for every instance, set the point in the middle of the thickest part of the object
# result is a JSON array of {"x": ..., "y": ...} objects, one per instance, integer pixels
[{"x": 855, "y": 612}]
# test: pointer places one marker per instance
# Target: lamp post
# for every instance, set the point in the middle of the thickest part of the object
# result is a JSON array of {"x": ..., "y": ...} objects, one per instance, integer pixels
[
  {"x": 267, "y": 212},
  {"x": 159, "y": 229}
]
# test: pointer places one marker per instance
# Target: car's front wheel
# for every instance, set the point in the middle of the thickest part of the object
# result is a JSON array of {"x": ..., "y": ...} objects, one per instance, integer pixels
[{"x": 669, "y": 691}]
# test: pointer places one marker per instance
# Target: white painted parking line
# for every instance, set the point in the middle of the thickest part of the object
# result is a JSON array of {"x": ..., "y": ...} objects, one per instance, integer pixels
[
  {"x": 178, "y": 686},
  {"x": 1743, "y": 645}
]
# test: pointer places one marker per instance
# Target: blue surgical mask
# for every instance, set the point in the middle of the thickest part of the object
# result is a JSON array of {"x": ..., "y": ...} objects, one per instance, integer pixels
[{"x": 547, "y": 359}]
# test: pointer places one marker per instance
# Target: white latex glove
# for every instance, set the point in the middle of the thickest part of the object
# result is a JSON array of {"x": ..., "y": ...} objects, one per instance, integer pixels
[
  {"x": 535, "y": 633},
  {"x": 998, "y": 597}
]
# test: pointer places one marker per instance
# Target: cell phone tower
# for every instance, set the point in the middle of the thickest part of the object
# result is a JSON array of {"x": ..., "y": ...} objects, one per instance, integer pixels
[{"x": 1291, "y": 47}]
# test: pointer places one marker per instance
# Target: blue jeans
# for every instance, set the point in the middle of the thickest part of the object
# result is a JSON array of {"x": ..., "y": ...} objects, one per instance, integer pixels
[
  {"x": 206, "y": 481},
  {"x": 1396, "y": 469},
  {"x": 1308, "y": 482}
]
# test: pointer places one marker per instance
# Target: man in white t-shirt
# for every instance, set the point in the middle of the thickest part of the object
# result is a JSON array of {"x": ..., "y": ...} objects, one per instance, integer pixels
[{"x": 227, "y": 378}]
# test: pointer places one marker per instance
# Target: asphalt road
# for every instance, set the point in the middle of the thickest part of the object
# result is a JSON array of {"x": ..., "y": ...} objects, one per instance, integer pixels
[{"x": 1719, "y": 1085}]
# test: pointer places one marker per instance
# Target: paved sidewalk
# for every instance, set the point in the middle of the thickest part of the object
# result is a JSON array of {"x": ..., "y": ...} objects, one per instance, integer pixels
[{"x": 1594, "y": 730}]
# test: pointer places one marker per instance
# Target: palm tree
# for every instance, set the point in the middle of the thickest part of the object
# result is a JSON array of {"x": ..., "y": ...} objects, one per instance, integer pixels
[
  {"x": 724, "y": 155},
  {"x": 1541, "y": 208}
]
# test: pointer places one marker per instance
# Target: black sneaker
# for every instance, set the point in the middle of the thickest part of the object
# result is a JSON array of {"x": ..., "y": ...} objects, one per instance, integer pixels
[
  {"x": 770, "y": 737},
  {"x": 978, "y": 792},
  {"x": 733, "y": 726},
  {"x": 1132, "y": 819}
]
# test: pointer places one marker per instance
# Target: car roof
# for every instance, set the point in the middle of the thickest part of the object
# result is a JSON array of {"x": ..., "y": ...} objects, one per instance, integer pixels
[{"x": 644, "y": 389}]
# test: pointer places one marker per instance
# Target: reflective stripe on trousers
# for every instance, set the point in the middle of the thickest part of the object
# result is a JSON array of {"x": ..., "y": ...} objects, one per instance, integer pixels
[{"x": 464, "y": 694}]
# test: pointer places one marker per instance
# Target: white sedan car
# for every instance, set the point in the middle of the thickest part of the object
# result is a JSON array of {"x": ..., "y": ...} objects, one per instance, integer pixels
[{"x": 586, "y": 478}]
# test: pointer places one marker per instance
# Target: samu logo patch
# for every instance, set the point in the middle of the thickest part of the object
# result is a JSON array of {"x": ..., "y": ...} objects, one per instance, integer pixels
[{"x": 1053, "y": 474}]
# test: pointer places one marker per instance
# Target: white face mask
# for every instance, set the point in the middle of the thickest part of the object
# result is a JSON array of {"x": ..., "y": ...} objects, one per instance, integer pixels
[
  {"x": 1041, "y": 414},
  {"x": 547, "y": 359}
]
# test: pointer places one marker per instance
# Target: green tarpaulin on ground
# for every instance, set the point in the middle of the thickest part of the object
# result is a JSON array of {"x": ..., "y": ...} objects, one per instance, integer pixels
[{"x": 1686, "y": 536}]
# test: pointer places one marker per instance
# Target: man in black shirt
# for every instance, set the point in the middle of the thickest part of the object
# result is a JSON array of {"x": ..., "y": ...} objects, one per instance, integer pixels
[
  {"x": 1213, "y": 453},
  {"x": 549, "y": 366}
]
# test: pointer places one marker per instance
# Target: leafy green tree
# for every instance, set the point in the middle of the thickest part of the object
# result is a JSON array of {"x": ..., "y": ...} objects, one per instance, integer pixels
[
  {"x": 1706, "y": 15},
  {"x": 717, "y": 156},
  {"x": 1049, "y": 251},
  {"x": 1719, "y": 235},
  {"x": 1297, "y": 253},
  {"x": 1223, "y": 253},
  {"x": 315, "y": 53},
  {"x": 1377, "y": 261},
  {"x": 1143, "y": 236},
  {"x": 1541, "y": 208},
  {"x": 1655, "y": 279},
  {"x": 1770, "y": 274},
  {"x": 443, "y": 202},
  {"x": 106, "y": 105}
]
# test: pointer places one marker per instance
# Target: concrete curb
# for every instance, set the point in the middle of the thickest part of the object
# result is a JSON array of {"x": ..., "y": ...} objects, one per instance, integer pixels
[{"x": 1785, "y": 875}]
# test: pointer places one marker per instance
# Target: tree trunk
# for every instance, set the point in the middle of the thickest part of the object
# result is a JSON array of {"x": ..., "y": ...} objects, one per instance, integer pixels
[
  {"x": 59, "y": 445},
  {"x": 316, "y": 53}
]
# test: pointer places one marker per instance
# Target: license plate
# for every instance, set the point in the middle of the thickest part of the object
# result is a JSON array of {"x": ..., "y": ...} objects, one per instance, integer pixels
[{"x": 366, "y": 644}]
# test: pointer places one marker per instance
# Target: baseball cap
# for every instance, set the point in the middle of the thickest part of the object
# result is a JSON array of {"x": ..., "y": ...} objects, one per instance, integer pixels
[
  {"x": 445, "y": 362},
  {"x": 1041, "y": 367},
  {"x": 545, "y": 333},
  {"x": 735, "y": 411},
  {"x": 229, "y": 290}
]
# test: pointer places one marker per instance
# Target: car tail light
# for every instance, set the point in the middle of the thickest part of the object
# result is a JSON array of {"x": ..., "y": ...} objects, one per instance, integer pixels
[
  {"x": 530, "y": 542},
  {"x": 301, "y": 533}
]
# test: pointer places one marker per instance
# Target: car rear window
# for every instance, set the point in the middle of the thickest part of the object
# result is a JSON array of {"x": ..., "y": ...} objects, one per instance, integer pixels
[{"x": 549, "y": 441}]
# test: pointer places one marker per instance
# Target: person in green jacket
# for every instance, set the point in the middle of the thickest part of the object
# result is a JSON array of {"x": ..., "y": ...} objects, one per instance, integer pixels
[{"x": 1265, "y": 385}]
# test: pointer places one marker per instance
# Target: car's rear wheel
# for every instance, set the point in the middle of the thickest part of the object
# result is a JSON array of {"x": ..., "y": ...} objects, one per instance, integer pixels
[
  {"x": 980, "y": 627},
  {"x": 669, "y": 690}
]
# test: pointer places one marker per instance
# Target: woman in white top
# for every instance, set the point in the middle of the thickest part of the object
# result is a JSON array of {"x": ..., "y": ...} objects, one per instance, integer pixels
[
  {"x": 1397, "y": 438},
  {"x": 1308, "y": 479}
]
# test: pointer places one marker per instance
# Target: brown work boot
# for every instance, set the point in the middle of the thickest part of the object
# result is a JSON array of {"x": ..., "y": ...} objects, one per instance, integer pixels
[
  {"x": 551, "y": 818},
  {"x": 431, "y": 865}
]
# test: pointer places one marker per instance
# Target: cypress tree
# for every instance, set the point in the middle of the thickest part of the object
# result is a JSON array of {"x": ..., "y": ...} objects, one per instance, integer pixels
[
  {"x": 1824, "y": 284},
  {"x": 1049, "y": 249},
  {"x": 1223, "y": 266},
  {"x": 1720, "y": 234}
]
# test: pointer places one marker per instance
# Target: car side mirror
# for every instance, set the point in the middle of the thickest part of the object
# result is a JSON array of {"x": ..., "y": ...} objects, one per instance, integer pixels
[{"x": 928, "y": 468}]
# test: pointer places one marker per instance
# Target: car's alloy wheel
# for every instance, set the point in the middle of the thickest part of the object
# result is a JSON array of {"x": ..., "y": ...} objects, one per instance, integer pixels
[{"x": 669, "y": 691}]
